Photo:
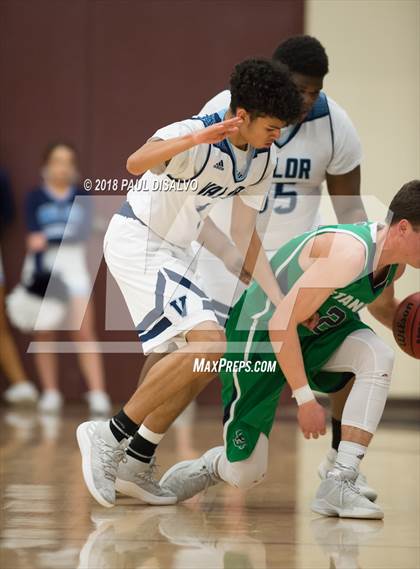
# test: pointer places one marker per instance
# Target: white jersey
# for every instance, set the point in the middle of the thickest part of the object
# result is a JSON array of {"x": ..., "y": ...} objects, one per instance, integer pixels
[
  {"x": 325, "y": 142},
  {"x": 174, "y": 199}
]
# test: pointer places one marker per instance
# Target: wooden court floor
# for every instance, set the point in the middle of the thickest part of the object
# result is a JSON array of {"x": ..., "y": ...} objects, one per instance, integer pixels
[{"x": 49, "y": 521}]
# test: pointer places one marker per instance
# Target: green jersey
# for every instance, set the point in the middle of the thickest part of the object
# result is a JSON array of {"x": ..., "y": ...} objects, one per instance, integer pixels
[
  {"x": 253, "y": 310},
  {"x": 253, "y": 396}
]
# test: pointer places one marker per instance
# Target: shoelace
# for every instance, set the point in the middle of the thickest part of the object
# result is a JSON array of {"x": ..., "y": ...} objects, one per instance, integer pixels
[
  {"x": 148, "y": 475},
  {"x": 347, "y": 486},
  {"x": 209, "y": 482},
  {"x": 203, "y": 470},
  {"x": 110, "y": 458}
]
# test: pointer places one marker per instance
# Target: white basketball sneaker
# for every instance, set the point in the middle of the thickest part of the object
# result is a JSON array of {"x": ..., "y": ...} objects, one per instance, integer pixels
[
  {"x": 188, "y": 478},
  {"x": 338, "y": 496},
  {"x": 21, "y": 393},
  {"x": 99, "y": 402},
  {"x": 51, "y": 401},
  {"x": 101, "y": 455},
  {"x": 136, "y": 479},
  {"x": 361, "y": 482}
]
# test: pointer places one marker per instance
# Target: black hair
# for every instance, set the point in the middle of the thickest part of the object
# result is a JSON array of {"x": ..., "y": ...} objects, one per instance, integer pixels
[
  {"x": 406, "y": 204},
  {"x": 46, "y": 155},
  {"x": 303, "y": 54},
  {"x": 265, "y": 88}
]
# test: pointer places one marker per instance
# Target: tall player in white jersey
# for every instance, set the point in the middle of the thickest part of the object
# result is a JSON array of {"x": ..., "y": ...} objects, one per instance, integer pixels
[
  {"x": 322, "y": 146},
  {"x": 147, "y": 249}
]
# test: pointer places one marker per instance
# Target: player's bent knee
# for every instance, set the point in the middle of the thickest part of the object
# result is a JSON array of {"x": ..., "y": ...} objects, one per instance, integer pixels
[
  {"x": 382, "y": 372},
  {"x": 374, "y": 355},
  {"x": 210, "y": 344},
  {"x": 386, "y": 357},
  {"x": 367, "y": 399},
  {"x": 245, "y": 476},
  {"x": 248, "y": 479}
]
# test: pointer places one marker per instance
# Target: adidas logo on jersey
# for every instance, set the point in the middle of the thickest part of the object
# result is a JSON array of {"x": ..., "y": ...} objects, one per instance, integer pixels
[{"x": 219, "y": 165}]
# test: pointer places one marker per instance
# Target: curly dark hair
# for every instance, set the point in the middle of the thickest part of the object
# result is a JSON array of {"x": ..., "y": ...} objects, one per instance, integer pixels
[
  {"x": 303, "y": 54},
  {"x": 406, "y": 205},
  {"x": 264, "y": 88}
]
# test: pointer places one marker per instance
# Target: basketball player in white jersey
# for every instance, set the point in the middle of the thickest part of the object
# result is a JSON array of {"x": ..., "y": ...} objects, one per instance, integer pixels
[
  {"x": 147, "y": 249},
  {"x": 322, "y": 146}
]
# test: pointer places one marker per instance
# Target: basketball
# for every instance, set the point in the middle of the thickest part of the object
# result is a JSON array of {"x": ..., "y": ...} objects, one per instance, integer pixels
[{"x": 406, "y": 325}]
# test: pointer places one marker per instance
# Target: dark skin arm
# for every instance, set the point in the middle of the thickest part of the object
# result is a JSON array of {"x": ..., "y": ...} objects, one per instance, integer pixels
[{"x": 345, "y": 196}]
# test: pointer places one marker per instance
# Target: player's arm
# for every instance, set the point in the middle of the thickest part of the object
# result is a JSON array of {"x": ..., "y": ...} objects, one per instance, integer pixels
[
  {"x": 218, "y": 243},
  {"x": 340, "y": 266},
  {"x": 249, "y": 244},
  {"x": 385, "y": 306},
  {"x": 344, "y": 190},
  {"x": 343, "y": 171},
  {"x": 156, "y": 152}
]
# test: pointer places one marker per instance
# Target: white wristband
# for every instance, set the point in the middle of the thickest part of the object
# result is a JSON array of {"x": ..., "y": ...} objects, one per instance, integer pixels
[{"x": 303, "y": 395}]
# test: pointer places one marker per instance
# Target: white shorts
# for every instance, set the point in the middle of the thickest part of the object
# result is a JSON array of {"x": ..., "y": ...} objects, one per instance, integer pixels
[
  {"x": 157, "y": 282},
  {"x": 67, "y": 261},
  {"x": 223, "y": 287}
]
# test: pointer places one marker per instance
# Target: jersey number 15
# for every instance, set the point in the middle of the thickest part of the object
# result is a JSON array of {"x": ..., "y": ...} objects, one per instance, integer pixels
[{"x": 284, "y": 201}]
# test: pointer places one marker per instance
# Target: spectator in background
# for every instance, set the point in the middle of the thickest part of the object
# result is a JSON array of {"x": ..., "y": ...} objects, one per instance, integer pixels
[
  {"x": 58, "y": 226},
  {"x": 21, "y": 390}
]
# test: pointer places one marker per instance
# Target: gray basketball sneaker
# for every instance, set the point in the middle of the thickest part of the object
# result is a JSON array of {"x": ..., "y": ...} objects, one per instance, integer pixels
[
  {"x": 136, "y": 479},
  {"x": 101, "y": 454},
  {"x": 188, "y": 478},
  {"x": 361, "y": 481},
  {"x": 338, "y": 496}
]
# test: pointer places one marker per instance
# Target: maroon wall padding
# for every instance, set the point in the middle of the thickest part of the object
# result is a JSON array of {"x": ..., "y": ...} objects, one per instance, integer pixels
[{"x": 105, "y": 75}]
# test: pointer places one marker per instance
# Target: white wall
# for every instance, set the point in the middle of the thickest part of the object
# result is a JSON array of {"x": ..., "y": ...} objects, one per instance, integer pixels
[{"x": 374, "y": 52}]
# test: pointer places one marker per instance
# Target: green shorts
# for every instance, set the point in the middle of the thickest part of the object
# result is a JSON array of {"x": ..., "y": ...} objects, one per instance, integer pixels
[{"x": 250, "y": 399}]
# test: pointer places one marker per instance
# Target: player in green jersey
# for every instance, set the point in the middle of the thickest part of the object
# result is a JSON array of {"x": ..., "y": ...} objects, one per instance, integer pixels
[{"x": 327, "y": 276}]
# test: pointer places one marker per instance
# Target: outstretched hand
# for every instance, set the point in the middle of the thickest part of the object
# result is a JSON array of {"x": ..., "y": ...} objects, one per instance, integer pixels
[{"x": 217, "y": 132}]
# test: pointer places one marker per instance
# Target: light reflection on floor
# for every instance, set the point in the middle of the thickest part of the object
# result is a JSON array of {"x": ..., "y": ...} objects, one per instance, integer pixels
[{"x": 49, "y": 520}]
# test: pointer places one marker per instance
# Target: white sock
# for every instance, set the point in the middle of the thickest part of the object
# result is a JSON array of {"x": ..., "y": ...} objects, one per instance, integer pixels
[
  {"x": 134, "y": 464},
  {"x": 149, "y": 435},
  {"x": 349, "y": 455},
  {"x": 144, "y": 443}
]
